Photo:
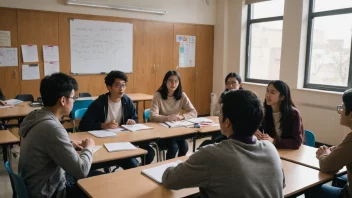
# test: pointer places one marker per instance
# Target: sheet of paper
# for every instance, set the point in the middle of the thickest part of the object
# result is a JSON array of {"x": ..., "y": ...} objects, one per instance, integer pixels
[
  {"x": 187, "y": 51},
  {"x": 136, "y": 127},
  {"x": 8, "y": 57},
  {"x": 13, "y": 101},
  {"x": 117, "y": 130},
  {"x": 5, "y": 38},
  {"x": 29, "y": 53},
  {"x": 6, "y": 106},
  {"x": 119, "y": 146},
  {"x": 156, "y": 173},
  {"x": 30, "y": 72},
  {"x": 199, "y": 120},
  {"x": 50, "y": 53},
  {"x": 96, "y": 148},
  {"x": 102, "y": 134},
  {"x": 51, "y": 67}
]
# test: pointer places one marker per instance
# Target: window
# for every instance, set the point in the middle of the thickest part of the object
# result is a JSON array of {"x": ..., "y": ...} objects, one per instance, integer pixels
[
  {"x": 328, "y": 58},
  {"x": 264, "y": 37}
]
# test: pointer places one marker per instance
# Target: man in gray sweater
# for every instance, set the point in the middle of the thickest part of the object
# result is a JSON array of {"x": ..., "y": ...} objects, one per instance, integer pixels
[
  {"x": 46, "y": 150},
  {"x": 240, "y": 166}
]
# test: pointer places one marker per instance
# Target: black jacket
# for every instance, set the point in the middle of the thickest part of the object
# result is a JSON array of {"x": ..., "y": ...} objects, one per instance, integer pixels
[{"x": 97, "y": 113}]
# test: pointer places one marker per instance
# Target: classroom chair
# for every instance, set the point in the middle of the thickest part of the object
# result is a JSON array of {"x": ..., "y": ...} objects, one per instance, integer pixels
[
  {"x": 18, "y": 187},
  {"x": 309, "y": 138},
  {"x": 80, "y": 104},
  {"x": 146, "y": 115},
  {"x": 79, "y": 113},
  {"x": 84, "y": 94},
  {"x": 25, "y": 97}
]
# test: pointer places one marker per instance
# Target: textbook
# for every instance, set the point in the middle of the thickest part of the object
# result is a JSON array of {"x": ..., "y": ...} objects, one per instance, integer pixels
[
  {"x": 156, "y": 173},
  {"x": 136, "y": 127},
  {"x": 176, "y": 124},
  {"x": 119, "y": 146}
]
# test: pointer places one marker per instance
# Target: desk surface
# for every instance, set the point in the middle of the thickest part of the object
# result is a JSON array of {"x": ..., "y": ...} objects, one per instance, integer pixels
[
  {"x": 299, "y": 178},
  {"x": 130, "y": 183},
  {"x": 305, "y": 156},
  {"x": 133, "y": 96},
  {"x": 6, "y": 137},
  {"x": 20, "y": 110},
  {"x": 208, "y": 129},
  {"x": 103, "y": 155}
]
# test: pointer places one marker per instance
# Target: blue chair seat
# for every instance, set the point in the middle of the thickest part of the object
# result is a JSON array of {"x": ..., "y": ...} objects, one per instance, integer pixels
[{"x": 18, "y": 186}]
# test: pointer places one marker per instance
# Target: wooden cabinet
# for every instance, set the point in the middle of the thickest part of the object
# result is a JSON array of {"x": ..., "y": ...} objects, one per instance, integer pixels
[{"x": 9, "y": 76}]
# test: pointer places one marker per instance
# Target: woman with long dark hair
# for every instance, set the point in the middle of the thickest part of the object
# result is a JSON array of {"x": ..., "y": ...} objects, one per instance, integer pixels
[
  {"x": 282, "y": 123},
  {"x": 167, "y": 104}
]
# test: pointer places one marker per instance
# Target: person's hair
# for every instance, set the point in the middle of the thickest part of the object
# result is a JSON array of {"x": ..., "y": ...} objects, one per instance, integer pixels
[
  {"x": 110, "y": 78},
  {"x": 244, "y": 110},
  {"x": 56, "y": 85},
  {"x": 233, "y": 75},
  {"x": 163, "y": 88},
  {"x": 347, "y": 100},
  {"x": 286, "y": 110}
]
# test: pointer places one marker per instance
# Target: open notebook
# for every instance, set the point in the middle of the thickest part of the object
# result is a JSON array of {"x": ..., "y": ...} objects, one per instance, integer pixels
[
  {"x": 13, "y": 101},
  {"x": 156, "y": 173},
  {"x": 176, "y": 124},
  {"x": 119, "y": 146},
  {"x": 102, "y": 133},
  {"x": 136, "y": 127}
]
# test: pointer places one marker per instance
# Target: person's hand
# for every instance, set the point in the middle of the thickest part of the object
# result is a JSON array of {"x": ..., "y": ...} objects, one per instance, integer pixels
[
  {"x": 2, "y": 102},
  {"x": 172, "y": 118},
  {"x": 323, "y": 150},
  {"x": 111, "y": 125},
  {"x": 267, "y": 137},
  {"x": 180, "y": 117},
  {"x": 77, "y": 145},
  {"x": 332, "y": 148},
  {"x": 258, "y": 134},
  {"x": 130, "y": 122},
  {"x": 89, "y": 142}
]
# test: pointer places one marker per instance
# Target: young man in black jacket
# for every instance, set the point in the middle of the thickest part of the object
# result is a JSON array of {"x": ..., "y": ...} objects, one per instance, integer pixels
[{"x": 112, "y": 110}]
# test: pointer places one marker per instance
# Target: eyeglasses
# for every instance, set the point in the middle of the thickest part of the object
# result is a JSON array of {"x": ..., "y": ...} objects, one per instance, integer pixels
[
  {"x": 123, "y": 86},
  {"x": 231, "y": 83},
  {"x": 339, "y": 108},
  {"x": 74, "y": 98},
  {"x": 173, "y": 81}
]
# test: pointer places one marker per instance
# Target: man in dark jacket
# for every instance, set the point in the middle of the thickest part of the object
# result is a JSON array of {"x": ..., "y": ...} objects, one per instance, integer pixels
[{"x": 112, "y": 110}]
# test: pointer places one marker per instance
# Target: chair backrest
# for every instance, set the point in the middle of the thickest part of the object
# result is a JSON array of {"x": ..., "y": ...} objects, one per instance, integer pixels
[
  {"x": 25, "y": 97},
  {"x": 80, "y": 104},
  {"x": 309, "y": 138},
  {"x": 146, "y": 115},
  {"x": 79, "y": 113},
  {"x": 84, "y": 94},
  {"x": 19, "y": 186},
  {"x": 2, "y": 96}
]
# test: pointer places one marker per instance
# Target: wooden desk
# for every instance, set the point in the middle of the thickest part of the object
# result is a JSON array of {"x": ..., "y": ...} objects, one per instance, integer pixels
[
  {"x": 300, "y": 178},
  {"x": 103, "y": 158},
  {"x": 20, "y": 110},
  {"x": 305, "y": 156},
  {"x": 131, "y": 183},
  {"x": 209, "y": 129},
  {"x": 7, "y": 139}
]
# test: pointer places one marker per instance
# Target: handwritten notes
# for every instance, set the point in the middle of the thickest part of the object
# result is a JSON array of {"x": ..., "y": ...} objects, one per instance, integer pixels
[
  {"x": 8, "y": 57},
  {"x": 30, "y": 72},
  {"x": 51, "y": 67},
  {"x": 50, "y": 53},
  {"x": 5, "y": 38},
  {"x": 29, "y": 53}
]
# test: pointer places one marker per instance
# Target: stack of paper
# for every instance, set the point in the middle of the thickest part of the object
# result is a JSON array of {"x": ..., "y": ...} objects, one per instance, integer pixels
[
  {"x": 182, "y": 123},
  {"x": 13, "y": 101},
  {"x": 200, "y": 120},
  {"x": 119, "y": 146},
  {"x": 156, "y": 173},
  {"x": 102, "y": 133},
  {"x": 96, "y": 148},
  {"x": 136, "y": 127}
]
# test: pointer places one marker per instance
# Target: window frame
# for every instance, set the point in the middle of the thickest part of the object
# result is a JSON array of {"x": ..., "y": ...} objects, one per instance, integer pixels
[
  {"x": 251, "y": 21},
  {"x": 311, "y": 16}
]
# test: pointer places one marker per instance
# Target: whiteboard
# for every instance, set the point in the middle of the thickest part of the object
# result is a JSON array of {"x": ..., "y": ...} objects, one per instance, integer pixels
[{"x": 99, "y": 46}]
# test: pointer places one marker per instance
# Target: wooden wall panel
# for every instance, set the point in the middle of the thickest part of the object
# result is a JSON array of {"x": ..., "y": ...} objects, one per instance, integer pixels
[
  {"x": 188, "y": 73},
  {"x": 36, "y": 28},
  {"x": 204, "y": 68},
  {"x": 9, "y": 78}
]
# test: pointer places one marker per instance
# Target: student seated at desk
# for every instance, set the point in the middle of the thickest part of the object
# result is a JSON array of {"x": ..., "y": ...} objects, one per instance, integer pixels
[
  {"x": 240, "y": 166},
  {"x": 48, "y": 160},
  {"x": 167, "y": 103},
  {"x": 233, "y": 81},
  {"x": 282, "y": 123},
  {"x": 112, "y": 110},
  {"x": 332, "y": 159}
]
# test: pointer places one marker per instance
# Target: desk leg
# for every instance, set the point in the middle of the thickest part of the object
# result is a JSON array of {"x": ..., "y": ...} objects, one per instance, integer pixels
[
  {"x": 137, "y": 108},
  {"x": 143, "y": 160},
  {"x": 194, "y": 144},
  {"x": 4, "y": 152}
]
